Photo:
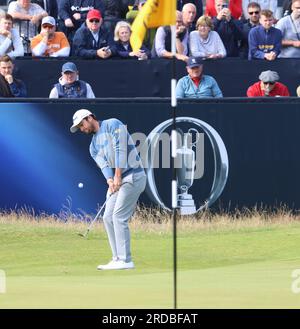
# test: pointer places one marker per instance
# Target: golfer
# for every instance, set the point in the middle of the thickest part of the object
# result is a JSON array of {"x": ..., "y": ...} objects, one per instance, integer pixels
[{"x": 114, "y": 152}]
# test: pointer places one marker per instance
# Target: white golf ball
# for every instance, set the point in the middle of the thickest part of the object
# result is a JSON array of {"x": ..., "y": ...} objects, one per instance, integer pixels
[{"x": 80, "y": 185}]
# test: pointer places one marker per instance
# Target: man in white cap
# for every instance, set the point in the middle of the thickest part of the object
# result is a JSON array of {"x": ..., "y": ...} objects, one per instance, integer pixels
[
  {"x": 50, "y": 43},
  {"x": 268, "y": 86},
  {"x": 115, "y": 153}
]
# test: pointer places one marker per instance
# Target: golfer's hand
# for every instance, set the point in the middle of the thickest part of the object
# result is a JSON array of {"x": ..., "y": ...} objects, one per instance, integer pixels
[
  {"x": 117, "y": 182},
  {"x": 111, "y": 186}
]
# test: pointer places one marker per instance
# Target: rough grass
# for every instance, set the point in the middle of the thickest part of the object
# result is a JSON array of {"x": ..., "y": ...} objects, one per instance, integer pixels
[{"x": 153, "y": 220}]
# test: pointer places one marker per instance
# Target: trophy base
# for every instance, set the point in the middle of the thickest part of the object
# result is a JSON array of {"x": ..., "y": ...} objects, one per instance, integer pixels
[{"x": 186, "y": 204}]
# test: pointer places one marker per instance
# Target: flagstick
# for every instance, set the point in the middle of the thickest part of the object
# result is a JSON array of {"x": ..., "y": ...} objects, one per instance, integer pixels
[{"x": 174, "y": 153}]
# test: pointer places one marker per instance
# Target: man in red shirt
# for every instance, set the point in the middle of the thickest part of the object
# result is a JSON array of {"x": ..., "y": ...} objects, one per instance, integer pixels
[{"x": 268, "y": 86}]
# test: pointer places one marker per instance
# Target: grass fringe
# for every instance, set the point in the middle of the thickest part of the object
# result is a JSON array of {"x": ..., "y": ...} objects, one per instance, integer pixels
[{"x": 160, "y": 221}]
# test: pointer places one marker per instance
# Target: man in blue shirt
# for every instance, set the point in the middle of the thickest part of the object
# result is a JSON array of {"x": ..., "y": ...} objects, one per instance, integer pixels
[
  {"x": 265, "y": 40},
  {"x": 196, "y": 84},
  {"x": 114, "y": 151}
]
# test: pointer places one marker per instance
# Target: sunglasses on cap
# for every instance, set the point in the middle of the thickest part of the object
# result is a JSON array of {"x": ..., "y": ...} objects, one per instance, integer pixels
[
  {"x": 253, "y": 12},
  {"x": 269, "y": 83},
  {"x": 94, "y": 21}
]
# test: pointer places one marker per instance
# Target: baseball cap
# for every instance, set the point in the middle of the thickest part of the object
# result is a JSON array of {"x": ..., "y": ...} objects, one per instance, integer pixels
[
  {"x": 78, "y": 117},
  {"x": 49, "y": 20},
  {"x": 69, "y": 67},
  {"x": 269, "y": 76},
  {"x": 194, "y": 61},
  {"x": 94, "y": 13}
]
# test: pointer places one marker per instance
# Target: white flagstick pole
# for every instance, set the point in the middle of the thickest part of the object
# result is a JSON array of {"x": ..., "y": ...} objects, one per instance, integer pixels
[{"x": 174, "y": 153}]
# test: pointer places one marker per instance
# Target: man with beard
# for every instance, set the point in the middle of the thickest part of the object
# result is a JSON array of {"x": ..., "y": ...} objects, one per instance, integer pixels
[{"x": 115, "y": 154}]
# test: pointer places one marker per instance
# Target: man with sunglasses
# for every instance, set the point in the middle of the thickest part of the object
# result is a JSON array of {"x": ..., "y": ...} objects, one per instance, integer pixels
[
  {"x": 268, "y": 86},
  {"x": 92, "y": 40},
  {"x": 253, "y": 10},
  {"x": 50, "y": 43},
  {"x": 264, "y": 4},
  {"x": 72, "y": 14},
  {"x": 290, "y": 28}
]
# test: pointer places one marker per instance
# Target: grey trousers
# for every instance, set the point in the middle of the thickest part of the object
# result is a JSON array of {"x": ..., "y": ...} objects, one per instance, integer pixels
[{"x": 119, "y": 208}]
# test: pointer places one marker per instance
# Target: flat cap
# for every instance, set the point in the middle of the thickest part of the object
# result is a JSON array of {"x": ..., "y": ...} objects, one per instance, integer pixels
[{"x": 269, "y": 76}]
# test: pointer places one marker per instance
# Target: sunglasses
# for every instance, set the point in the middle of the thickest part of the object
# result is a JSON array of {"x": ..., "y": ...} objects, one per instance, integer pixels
[
  {"x": 94, "y": 21},
  {"x": 47, "y": 26},
  {"x": 253, "y": 12},
  {"x": 269, "y": 83}
]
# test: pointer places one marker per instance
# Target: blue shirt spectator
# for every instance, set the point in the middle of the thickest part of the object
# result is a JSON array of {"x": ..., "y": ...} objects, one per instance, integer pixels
[
  {"x": 265, "y": 40},
  {"x": 196, "y": 84}
]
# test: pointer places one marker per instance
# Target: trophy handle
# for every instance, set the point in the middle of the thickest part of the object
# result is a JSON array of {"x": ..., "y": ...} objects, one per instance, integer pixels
[{"x": 197, "y": 136}]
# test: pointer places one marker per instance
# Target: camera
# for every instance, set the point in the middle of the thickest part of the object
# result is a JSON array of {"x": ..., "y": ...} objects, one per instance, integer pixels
[{"x": 224, "y": 5}]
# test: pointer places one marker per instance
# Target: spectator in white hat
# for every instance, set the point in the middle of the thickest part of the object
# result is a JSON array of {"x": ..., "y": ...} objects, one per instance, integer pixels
[{"x": 50, "y": 43}]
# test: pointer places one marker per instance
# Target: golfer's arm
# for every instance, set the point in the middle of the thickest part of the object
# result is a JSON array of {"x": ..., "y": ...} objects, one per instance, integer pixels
[{"x": 118, "y": 172}]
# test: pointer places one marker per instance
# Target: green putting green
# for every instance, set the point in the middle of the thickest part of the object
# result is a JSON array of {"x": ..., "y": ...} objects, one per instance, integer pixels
[{"x": 236, "y": 266}]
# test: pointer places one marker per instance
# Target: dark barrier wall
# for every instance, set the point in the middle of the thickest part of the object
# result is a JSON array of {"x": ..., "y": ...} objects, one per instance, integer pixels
[
  {"x": 42, "y": 162},
  {"x": 129, "y": 78}
]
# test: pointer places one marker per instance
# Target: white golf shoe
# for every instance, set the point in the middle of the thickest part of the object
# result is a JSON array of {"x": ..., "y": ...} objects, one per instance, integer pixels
[{"x": 116, "y": 265}]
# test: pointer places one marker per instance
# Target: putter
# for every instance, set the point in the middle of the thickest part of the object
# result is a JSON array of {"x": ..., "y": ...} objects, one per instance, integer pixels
[{"x": 93, "y": 221}]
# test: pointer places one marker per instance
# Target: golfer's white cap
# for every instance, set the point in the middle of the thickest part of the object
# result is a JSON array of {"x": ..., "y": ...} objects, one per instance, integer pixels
[{"x": 78, "y": 117}]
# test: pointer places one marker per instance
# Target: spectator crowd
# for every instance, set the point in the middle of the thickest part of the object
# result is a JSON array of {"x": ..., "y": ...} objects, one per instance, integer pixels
[{"x": 101, "y": 29}]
